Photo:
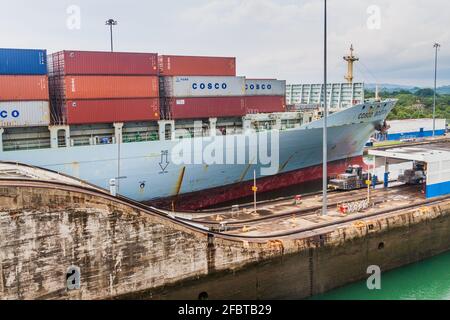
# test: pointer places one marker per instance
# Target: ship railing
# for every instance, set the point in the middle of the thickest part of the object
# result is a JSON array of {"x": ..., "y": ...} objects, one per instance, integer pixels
[
  {"x": 25, "y": 145},
  {"x": 140, "y": 137}
]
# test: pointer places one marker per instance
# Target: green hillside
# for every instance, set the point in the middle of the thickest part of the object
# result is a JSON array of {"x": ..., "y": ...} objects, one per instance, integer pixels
[{"x": 416, "y": 105}]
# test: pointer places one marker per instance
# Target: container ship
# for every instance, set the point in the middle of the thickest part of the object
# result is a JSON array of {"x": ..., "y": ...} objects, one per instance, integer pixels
[{"x": 176, "y": 131}]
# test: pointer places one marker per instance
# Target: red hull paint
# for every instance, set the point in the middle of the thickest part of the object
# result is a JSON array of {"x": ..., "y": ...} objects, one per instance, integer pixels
[{"x": 199, "y": 200}]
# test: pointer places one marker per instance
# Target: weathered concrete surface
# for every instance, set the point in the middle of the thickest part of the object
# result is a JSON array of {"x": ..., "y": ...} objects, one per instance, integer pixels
[
  {"x": 118, "y": 248},
  {"x": 329, "y": 259},
  {"x": 127, "y": 253}
]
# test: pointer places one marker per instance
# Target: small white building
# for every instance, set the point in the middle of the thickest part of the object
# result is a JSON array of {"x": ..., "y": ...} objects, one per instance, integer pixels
[
  {"x": 413, "y": 129},
  {"x": 435, "y": 157}
]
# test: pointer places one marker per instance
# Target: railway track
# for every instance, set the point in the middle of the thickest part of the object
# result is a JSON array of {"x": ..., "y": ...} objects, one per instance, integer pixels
[
  {"x": 345, "y": 220},
  {"x": 277, "y": 201},
  {"x": 297, "y": 212}
]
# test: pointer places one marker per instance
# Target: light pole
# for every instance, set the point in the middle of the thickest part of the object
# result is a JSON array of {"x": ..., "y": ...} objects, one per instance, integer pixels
[
  {"x": 436, "y": 46},
  {"x": 254, "y": 189},
  {"x": 118, "y": 131},
  {"x": 111, "y": 23},
  {"x": 325, "y": 118}
]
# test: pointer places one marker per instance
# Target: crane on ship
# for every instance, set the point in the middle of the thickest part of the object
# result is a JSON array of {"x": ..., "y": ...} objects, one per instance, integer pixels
[{"x": 351, "y": 59}]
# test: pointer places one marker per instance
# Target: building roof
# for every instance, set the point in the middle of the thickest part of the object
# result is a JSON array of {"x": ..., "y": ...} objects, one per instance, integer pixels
[{"x": 426, "y": 153}]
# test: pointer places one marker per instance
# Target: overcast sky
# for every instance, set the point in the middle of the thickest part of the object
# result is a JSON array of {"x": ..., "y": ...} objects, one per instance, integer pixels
[{"x": 270, "y": 38}]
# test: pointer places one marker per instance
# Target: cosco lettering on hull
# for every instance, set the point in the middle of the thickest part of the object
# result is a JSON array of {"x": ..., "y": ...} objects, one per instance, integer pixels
[
  {"x": 5, "y": 114},
  {"x": 373, "y": 114}
]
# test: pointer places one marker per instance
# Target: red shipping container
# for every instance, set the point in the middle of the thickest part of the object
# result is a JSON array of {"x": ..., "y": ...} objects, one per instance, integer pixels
[
  {"x": 100, "y": 87},
  {"x": 194, "y": 108},
  {"x": 24, "y": 88},
  {"x": 103, "y": 63},
  {"x": 196, "y": 66},
  {"x": 265, "y": 104},
  {"x": 109, "y": 111}
]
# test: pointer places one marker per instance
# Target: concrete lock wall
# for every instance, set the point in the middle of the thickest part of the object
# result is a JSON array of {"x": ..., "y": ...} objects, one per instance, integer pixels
[
  {"x": 119, "y": 249},
  {"x": 329, "y": 261},
  {"x": 123, "y": 252}
]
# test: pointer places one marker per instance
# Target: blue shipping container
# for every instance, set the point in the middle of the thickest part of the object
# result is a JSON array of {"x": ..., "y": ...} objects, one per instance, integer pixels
[{"x": 23, "y": 62}]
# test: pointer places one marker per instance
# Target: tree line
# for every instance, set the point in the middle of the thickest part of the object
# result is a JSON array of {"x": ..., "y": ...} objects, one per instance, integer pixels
[{"x": 416, "y": 105}]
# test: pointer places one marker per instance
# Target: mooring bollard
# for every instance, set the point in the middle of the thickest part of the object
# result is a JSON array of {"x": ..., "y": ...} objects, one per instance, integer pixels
[
  {"x": 343, "y": 208},
  {"x": 298, "y": 200},
  {"x": 235, "y": 210},
  {"x": 112, "y": 187},
  {"x": 223, "y": 227}
]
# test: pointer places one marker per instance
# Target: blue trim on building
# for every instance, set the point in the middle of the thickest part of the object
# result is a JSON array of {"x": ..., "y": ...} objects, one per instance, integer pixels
[
  {"x": 416, "y": 134},
  {"x": 438, "y": 189}
]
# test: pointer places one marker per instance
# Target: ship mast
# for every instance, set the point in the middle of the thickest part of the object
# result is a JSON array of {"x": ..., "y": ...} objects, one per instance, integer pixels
[{"x": 350, "y": 60}]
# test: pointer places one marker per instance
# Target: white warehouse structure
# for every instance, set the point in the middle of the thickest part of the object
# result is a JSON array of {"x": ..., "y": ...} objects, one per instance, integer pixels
[
  {"x": 413, "y": 129},
  {"x": 435, "y": 158}
]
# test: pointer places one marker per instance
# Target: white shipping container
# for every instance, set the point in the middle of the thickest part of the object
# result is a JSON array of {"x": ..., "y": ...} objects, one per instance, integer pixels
[
  {"x": 261, "y": 87},
  {"x": 186, "y": 87},
  {"x": 414, "y": 125},
  {"x": 24, "y": 114}
]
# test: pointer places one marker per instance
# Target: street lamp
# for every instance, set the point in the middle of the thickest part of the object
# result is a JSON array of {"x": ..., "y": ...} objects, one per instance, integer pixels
[
  {"x": 117, "y": 127},
  {"x": 111, "y": 23},
  {"x": 325, "y": 119},
  {"x": 436, "y": 46}
]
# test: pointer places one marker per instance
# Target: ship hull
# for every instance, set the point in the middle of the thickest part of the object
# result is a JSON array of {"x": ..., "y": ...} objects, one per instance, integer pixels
[
  {"x": 148, "y": 172},
  {"x": 207, "y": 198}
]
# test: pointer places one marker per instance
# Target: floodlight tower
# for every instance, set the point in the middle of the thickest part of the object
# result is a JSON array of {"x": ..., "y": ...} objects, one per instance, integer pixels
[
  {"x": 111, "y": 23},
  {"x": 436, "y": 46}
]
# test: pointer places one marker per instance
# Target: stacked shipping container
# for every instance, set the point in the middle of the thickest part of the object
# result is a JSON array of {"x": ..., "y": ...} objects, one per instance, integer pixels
[
  {"x": 202, "y": 87},
  {"x": 196, "y": 66},
  {"x": 265, "y": 95},
  {"x": 103, "y": 87},
  {"x": 196, "y": 108},
  {"x": 24, "y": 95}
]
